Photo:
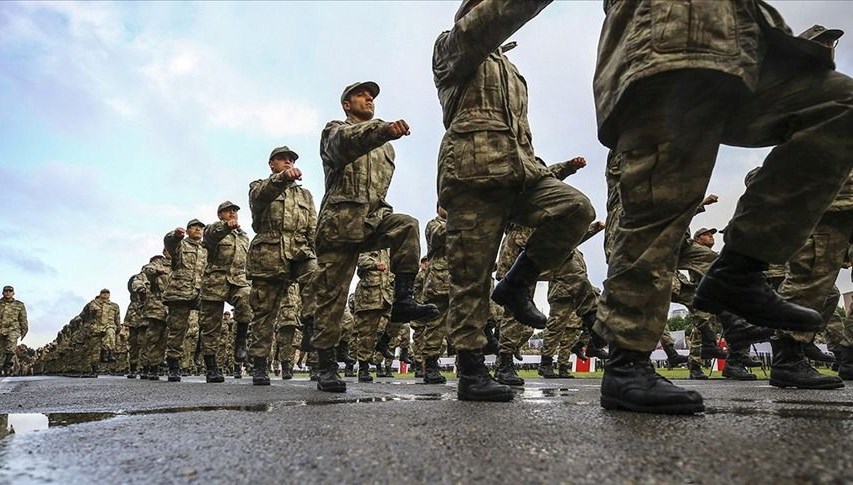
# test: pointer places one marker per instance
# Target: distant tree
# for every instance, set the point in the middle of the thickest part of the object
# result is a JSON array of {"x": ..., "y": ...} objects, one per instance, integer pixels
[{"x": 680, "y": 323}]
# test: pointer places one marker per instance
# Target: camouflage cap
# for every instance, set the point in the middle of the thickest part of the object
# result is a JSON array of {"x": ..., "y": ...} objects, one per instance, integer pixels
[
  {"x": 370, "y": 85},
  {"x": 194, "y": 222},
  {"x": 105, "y": 290},
  {"x": 155, "y": 258},
  {"x": 284, "y": 150},
  {"x": 8, "y": 288},
  {"x": 703, "y": 231},
  {"x": 819, "y": 33},
  {"x": 226, "y": 205}
]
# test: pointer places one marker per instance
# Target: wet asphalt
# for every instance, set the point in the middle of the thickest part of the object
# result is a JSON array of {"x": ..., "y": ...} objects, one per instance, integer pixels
[{"x": 117, "y": 430}]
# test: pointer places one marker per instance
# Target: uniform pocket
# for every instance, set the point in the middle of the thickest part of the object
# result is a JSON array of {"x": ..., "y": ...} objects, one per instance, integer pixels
[{"x": 695, "y": 26}]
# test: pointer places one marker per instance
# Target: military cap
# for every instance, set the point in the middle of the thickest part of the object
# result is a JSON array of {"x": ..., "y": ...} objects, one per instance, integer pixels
[
  {"x": 819, "y": 33},
  {"x": 155, "y": 258},
  {"x": 287, "y": 151},
  {"x": 227, "y": 205},
  {"x": 194, "y": 222},
  {"x": 8, "y": 288},
  {"x": 105, "y": 290},
  {"x": 703, "y": 231},
  {"x": 370, "y": 85}
]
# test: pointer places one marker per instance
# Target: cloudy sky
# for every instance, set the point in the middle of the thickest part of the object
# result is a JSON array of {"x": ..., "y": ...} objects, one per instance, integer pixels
[{"x": 121, "y": 121}]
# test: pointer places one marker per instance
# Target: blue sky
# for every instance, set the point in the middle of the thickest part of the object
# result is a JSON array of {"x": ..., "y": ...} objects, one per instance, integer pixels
[{"x": 121, "y": 121}]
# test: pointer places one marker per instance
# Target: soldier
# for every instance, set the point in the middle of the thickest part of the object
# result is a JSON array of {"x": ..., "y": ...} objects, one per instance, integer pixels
[
  {"x": 13, "y": 326},
  {"x": 286, "y": 325},
  {"x": 281, "y": 253},
  {"x": 488, "y": 175},
  {"x": 225, "y": 352},
  {"x": 157, "y": 273},
  {"x": 373, "y": 298},
  {"x": 435, "y": 291},
  {"x": 747, "y": 81},
  {"x": 134, "y": 321},
  {"x": 358, "y": 161},
  {"x": 182, "y": 295},
  {"x": 224, "y": 281},
  {"x": 101, "y": 318}
]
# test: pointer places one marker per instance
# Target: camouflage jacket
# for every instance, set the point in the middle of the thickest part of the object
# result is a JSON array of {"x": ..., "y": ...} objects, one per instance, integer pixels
[
  {"x": 99, "y": 315},
  {"x": 483, "y": 98},
  {"x": 374, "y": 290},
  {"x": 642, "y": 38},
  {"x": 13, "y": 318},
  {"x": 226, "y": 260},
  {"x": 189, "y": 259},
  {"x": 137, "y": 287},
  {"x": 437, "y": 277},
  {"x": 157, "y": 274},
  {"x": 844, "y": 200},
  {"x": 284, "y": 220},
  {"x": 358, "y": 163}
]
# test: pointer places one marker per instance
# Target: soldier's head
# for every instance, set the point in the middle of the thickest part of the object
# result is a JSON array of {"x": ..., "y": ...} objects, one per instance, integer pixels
[
  {"x": 227, "y": 211},
  {"x": 104, "y": 294},
  {"x": 226, "y": 315},
  {"x": 282, "y": 158},
  {"x": 822, "y": 35},
  {"x": 357, "y": 100},
  {"x": 705, "y": 237},
  {"x": 195, "y": 229},
  {"x": 465, "y": 7},
  {"x": 8, "y": 292}
]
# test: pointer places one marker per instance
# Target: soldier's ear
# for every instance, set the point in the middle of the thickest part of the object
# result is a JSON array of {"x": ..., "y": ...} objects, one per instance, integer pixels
[{"x": 346, "y": 105}]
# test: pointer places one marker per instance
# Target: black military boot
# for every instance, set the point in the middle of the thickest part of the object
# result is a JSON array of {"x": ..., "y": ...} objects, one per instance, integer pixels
[
  {"x": 475, "y": 383},
  {"x": 383, "y": 341},
  {"x": 631, "y": 383},
  {"x": 791, "y": 369},
  {"x": 492, "y": 345},
  {"x": 349, "y": 369},
  {"x": 94, "y": 372},
  {"x": 103, "y": 357},
  {"x": 419, "y": 371},
  {"x": 736, "y": 283},
  {"x": 212, "y": 373},
  {"x": 709, "y": 349},
  {"x": 432, "y": 372},
  {"x": 546, "y": 367},
  {"x": 752, "y": 361},
  {"x": 342, "y": 352},
  {"x": 405, "y": 308},
  {"x": 513, "y": 292},
  {"x": 673, "y": 358},
  {"x": 595, "y": 347},
  {"x": 237, "y": 372},
  {"x": 565, "y": 372},
  {"x": 174, "y": 369},
  {"x": 241, "y": 353},
  {"x": 737, "y": 371},
  {"x": 844, "y": 358},
  {"x": 260, "y": 377},
  {"x": 132, "y": 373},
  {"x": 577, "y": 349},
  {"x": 381, "y": 370},
  {"x": 329, "y": 380},
  {"x": 154, "y": 373},
  {"x": 307, "y": 334},
  {"x": 814, "y": 353},
  {"x": 738, "y": 331},
  {"x": 696, "y": 371},
  {"x": 143, "y": 373},
  {"x": 404, "y": 356},
  {"x": 364, "y": 371},
  {"x": 505, "y": 371},
  {"x": 286, "y": 370}
]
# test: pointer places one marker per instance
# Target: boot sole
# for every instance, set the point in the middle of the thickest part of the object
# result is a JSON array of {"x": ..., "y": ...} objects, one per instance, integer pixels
[
  {"x": 489, "y": 398},
  {"x": 614, "y": 404},
  {"x": 261, "y": 383},
  {"x": 332, "y": 388},
  {"x": 709, "y": 306},
  {"x": 825, "y": 386}
]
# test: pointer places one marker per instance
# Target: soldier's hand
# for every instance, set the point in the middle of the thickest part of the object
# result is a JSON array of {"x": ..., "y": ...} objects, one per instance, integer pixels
[
  {"x": 179, "y": 232},
  {"x": 597, "y": 226},
  {"x": 232, "y": 224},
  {"x": 710, "y": 199},
  {"x": 578, "y": 162},
  {"x": 381, "y": 266},
  {"x": 292, "y": 173},
  {"x": 397, "y": 129}
]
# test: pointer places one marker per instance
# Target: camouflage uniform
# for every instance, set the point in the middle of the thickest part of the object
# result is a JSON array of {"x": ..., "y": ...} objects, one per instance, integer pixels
[
  {"x": 157, "y": 273},
  {"x": 373, "y": 298},
  {"x": 513, "y": 335},
  {"x": 224, "y": 352},
  {"x": 570, "y": 294},
  {"x": 224, "y": 281},
  {"x": 13, "y": 327},
  {"x": 287, "y": 323},
  {"x": 745, "y": 78},
  {"x": 354, "y": 218},
  {"x": 189, "y": 260},
  {"x": 435, "y": 289},
  {"x": 282, "y": 252},
  {"x": 137, "y": 287},
  {"x": 488, "y": 174},
  {"x": 419, "y": 328},
  {"x": 100, "y": 318}
]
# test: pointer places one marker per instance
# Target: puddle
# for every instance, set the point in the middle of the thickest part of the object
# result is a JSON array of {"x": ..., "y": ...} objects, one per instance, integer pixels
[
  {"x": 546, "y": 392},
  {"x": 24, "y": 423},
  {"x": 807, "y": 413}
]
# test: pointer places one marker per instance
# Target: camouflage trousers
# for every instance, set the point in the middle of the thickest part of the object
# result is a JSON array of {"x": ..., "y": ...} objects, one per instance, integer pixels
[
  {"x": 513, "y": 335},
  {"x": 671, "y": 129},
  {"x": 563, "y": 328},
  {"x": 177, "y": 324},
  {"x": 367, "y": 325},
  {"x": 560, "y": 216},
  {"x": 135, "y": 341},
  {"x": 155, "y": 342},
  {"x": 434, "y": 331},
  {"x": 418, "y": 333},
  {"x": 337, "y": 263},
  {"x": 665, "y": 338},
  {"x": 210, "y": 320},
  {"x": 266, "y": 299},
  {"x": 812, "y": 271},
  {"x": 225, "y": 347},
  {"x": 8, "y": 342},
  {"x": 839, "y": 331}
]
